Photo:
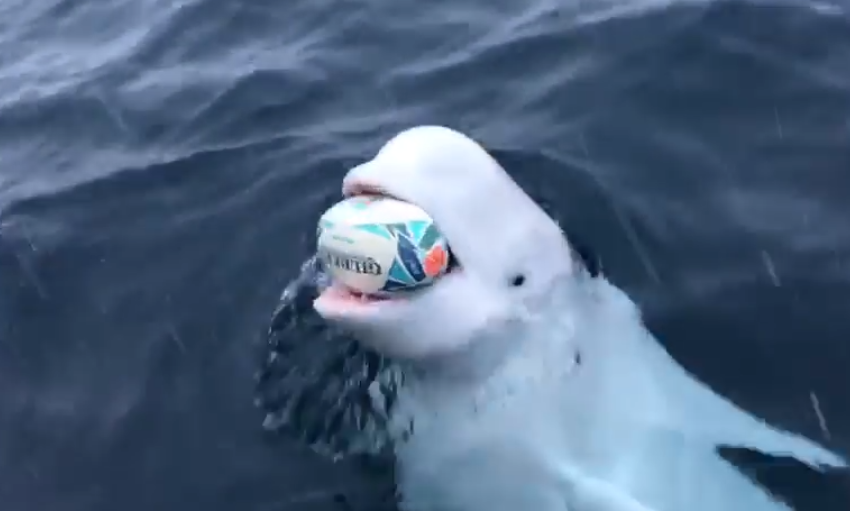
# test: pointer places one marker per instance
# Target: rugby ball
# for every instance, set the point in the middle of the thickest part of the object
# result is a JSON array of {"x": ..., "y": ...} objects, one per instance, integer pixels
[{"x": 378, "y": 245}]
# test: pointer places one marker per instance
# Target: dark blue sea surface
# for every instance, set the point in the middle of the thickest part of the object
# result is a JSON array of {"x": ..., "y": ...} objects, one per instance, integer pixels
[{"x": 162, "y": 166}]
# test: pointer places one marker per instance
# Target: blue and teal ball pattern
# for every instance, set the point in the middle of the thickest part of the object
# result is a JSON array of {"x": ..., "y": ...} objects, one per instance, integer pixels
[{"x": 420, "y": 251}]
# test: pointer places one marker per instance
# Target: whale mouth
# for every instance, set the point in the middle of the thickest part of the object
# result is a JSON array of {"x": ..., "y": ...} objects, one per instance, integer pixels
[
  {"x": 344, "y": 296},
  {"x": 356, "y": 188}
]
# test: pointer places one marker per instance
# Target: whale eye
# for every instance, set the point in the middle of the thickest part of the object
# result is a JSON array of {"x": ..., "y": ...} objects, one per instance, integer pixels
[{"x": 518, "y": 280}]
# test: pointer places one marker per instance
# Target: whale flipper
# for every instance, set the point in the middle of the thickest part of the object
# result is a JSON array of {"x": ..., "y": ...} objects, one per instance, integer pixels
[
  {"x": 702, "y": 413},
  {"x": 658, "y": 430}
]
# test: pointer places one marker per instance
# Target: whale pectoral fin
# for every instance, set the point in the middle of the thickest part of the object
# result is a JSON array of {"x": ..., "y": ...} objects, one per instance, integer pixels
[
  {"x": 721, "y": 422},
  {"x": 699, "y": 412},
  {"x": 766, "y": 439}
]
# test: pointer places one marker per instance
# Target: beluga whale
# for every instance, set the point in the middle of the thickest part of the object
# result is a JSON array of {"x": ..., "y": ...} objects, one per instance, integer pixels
[{"x": 521, "y": 380}]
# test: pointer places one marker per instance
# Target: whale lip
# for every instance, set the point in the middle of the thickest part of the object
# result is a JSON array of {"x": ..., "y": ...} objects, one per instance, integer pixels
[
  {"x": 340, "y": 298},
  {"x": 355, "y": 188}
]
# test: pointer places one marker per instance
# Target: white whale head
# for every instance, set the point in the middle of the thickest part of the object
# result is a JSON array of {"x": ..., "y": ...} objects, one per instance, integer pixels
[{"x": 509, "y": 252}]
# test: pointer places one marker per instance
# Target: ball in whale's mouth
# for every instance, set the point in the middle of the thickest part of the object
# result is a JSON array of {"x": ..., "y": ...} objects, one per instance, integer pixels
[{"x": 343, "y": 295}]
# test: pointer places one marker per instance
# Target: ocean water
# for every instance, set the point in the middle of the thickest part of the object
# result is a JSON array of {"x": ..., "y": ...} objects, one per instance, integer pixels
[{"x": 162, "y": 165}]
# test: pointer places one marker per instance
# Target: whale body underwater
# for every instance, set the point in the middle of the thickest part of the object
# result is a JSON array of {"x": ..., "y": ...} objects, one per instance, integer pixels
[{"x": 522, "y": 380}]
